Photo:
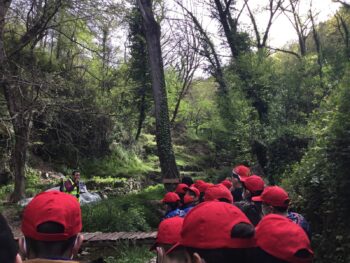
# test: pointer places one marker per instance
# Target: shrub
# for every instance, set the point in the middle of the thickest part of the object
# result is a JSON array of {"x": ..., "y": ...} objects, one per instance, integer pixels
[
  {"x": 320, "y": 182},
  {"x": 121, "y": 162},
  {"x": 132, "y": 212},
  {"x": 127, "y": 254}
]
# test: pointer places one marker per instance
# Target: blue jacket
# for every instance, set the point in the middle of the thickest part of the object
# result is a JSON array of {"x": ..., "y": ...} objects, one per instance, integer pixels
[
  {"x": 188, "y": 209},
  {"x": 301, "y": 221},
  {"x": 173, "y": 213}
]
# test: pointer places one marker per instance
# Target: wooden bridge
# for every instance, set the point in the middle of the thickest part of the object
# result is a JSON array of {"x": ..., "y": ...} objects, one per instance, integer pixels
[{"x": 99, "y": 239}]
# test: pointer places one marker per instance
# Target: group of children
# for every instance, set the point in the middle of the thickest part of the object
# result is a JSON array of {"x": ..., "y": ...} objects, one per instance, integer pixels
[{"x": 238, "y": 220}]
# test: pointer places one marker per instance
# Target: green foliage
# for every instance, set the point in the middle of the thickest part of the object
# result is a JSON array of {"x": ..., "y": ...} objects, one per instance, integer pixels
[
  {"x": 5, "y": 191},
  {"x": 133, "y": 212},
  {"x": 120, "y": 163},
  {"x": 114, "y": 216},
  {"x": 320, "y": 183},
  {"x": 128, "y": 254}
]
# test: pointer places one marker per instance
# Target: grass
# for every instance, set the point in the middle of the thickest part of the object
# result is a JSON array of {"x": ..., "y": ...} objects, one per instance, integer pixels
[
  {"x": 127, "y": 254},
  {"x": 120, "y": 163}
]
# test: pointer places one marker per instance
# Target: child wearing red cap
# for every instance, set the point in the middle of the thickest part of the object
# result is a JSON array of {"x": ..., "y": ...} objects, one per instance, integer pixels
[
  {"x": 181, "y": 191},
  {"x": 202, "y": 188},
  {"x": 187, "y": 180},
  {"x": 279, "y": 240},
  {"x": 191, "y": 199},
  {"x": 172, "y": 203},
  {"x": 218, "y": 192},
  {"x": 51, "y": 225},
  {"x": 214, "y": 232},
  {"x": 252, "y": 186},
  {"x": 228, "y": 184},
  {"x": 238, "y": 173},
  {"x": 167, "y": 236},
  {"x": 275, "y": 200}
]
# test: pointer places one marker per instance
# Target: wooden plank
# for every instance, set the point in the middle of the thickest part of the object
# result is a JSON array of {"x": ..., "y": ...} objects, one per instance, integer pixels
[
  {"x": 171, "y": 181},
  {"x": 99, "y": 239}
]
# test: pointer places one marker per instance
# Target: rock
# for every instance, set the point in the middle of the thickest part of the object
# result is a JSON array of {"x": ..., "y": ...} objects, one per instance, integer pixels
[{"x": 25, "y": 202}]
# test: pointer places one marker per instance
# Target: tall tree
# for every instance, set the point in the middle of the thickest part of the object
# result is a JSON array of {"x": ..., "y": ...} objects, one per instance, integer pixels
[
  {"x": 163, "y": 133},
  {"x": 273, "y": 8},
  {"x": 301, "y": 26},
  {"x": 222, "y": 12},
  {"x": 319, "y": 51},
  {"x": 20, "y": 89},
  {"x": 344, "y": 31},
  {"x": 209, "y": 51},
  {"x": 139, "y": 68},
  {"x": 344, "y": 3}
]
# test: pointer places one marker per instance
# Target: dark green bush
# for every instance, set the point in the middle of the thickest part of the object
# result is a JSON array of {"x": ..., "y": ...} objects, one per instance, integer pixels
[
  {"x": 133, "y": 212},
  {"x": 320, "y": 183}
]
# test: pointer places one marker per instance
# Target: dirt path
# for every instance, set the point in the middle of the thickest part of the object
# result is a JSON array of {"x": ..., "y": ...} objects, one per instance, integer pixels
[{"x": 13, "y": 217}]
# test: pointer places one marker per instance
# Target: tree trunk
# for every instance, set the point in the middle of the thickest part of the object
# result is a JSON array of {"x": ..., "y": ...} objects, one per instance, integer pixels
[
  {"x": 142, "y": 115},
  {"x": 20, "y": 99},
  {"x": 18, "y": 162},
  {"x": 163, "y": 136},
  {"x": 229, "y": 32},
  {"x": 319, "y": 51}
]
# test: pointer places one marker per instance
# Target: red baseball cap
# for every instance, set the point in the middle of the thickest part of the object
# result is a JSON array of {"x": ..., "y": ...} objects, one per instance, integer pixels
[
  {"x": 52, "y": 206},
  {"x": 169, "y": 231},
  {"x": 181, "y": 188},
  {"x": 209, "y": 226},
  {"x": 227, "y": 183},
  {"x": 193, "y": 190},
  {"x": 171, "y": 197},
  {"x": 281, "y": 238},
  {"x": 274, "y": 196},
  {"x": 216, "y": 192},
  {"x": 253, "y": 183},
  {"x": 197, "y": 183},
  {"x": 203, "y": 187},
  {"x": 242, "y": 171}
]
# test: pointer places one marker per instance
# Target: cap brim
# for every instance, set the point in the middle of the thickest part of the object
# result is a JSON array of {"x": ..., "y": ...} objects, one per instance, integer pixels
[
  {"x": 257, "y": 199},
  {"x": 173, "y": 248},
  {"x": 243, "y": 179}
]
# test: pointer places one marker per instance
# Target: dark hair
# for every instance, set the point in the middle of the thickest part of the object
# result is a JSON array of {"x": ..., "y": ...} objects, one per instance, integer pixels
[
  {"x": 251, "y": 210},
  {"x": 252, "y": 194},
  {"x": 257, "y": 255},
  {"x": 257, "y": 193},
  {"x": 201, "y": 197},
  {"x": 187, "y": 180},
  {"x": 222, "y": 255},
  {"x": 236, "y": 176},
  {"x": 280, "y": 209},
  {"x": 51, "y": 248},
  {"x": 8, "y": 246},
  {"x": 75, "y": 171},
  {"x": 225, "y": 200},
  {"x": 174, "y": 205}
]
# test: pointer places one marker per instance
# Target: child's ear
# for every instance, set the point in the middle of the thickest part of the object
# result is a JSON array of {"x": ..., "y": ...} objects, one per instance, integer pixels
[
  {"x": 22, "y": 246},
  {"x": 197, "y": 258},
  {"x": 160, "y": 255},
  {"x": 18, "y": 259},
  {"x": 78, "y": 242}
]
